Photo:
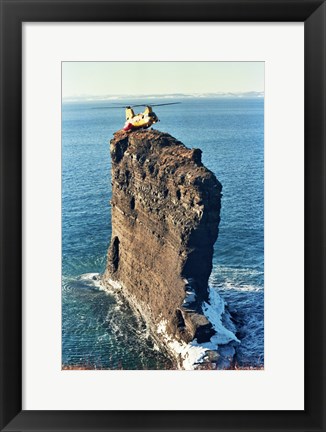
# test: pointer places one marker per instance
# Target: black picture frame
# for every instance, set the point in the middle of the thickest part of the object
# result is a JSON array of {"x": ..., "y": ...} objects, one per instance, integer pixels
[{"x": 13, "y": 14}]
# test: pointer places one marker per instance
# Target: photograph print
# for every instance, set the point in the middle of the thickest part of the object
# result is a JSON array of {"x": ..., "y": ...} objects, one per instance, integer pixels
[{"x": 162, "y": 216}]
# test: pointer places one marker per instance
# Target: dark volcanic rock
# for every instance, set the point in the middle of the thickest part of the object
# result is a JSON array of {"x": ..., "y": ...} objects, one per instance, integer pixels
[{"x": 165, "y": 217}]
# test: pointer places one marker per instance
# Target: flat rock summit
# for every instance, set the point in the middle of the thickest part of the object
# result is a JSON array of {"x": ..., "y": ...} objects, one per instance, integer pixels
[{"x": 165, "y": 217}]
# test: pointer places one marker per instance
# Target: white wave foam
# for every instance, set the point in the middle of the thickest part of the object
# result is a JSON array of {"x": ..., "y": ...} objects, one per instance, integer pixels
[
  {"x": 247, "y": 271},
  {"x": 231, "y": 278},
  {"x": 214, "y": 311},
  {"x": 228, "y": 285},
  {"x": 114, "y": 284},
  {"x": 193, "y": 353},
  {"x": 93, "y": 279},
  {"x": 190, "y": 353}
]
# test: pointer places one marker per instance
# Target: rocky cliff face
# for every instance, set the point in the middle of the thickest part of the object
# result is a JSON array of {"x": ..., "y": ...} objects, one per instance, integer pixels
[{"x": 165, "y": 217}]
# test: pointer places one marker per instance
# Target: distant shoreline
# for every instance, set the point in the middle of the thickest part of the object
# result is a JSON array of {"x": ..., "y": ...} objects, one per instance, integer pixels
[{"x": 112, "y": 98}]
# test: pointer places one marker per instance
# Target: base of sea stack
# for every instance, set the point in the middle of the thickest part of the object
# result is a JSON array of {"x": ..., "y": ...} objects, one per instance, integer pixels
[
  {"x": 165, "y": 211},
  {"x": 215, "y": 354}
]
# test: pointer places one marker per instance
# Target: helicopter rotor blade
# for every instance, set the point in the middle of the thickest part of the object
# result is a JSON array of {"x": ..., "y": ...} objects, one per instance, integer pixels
[
  {"x": 134, "y": 106},
  {"x": 170, "y": 103},
  {"x": 152, "y": 105},
  {"x": 109, "y": 107},
  {"x": 118, "y": 106}
]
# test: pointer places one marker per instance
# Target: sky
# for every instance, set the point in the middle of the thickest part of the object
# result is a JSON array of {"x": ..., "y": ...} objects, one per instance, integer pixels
[{"x": 103, "y": 79}]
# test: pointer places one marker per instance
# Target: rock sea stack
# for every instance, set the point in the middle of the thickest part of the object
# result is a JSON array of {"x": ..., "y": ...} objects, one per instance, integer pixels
[{"x": 165, "y": 217}]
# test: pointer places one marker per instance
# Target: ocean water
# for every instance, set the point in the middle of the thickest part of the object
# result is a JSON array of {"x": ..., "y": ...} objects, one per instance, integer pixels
[{"x": 100, "y": 331}]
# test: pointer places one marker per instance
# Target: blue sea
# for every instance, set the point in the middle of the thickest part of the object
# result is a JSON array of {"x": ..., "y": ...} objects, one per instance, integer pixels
[{"x": 99, "y": 331}]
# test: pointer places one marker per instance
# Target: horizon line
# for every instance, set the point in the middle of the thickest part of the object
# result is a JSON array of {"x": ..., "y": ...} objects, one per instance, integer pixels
[{"x": 252, "y": 94}]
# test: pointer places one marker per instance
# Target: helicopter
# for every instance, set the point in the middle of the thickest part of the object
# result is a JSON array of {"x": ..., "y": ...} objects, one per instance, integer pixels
[
  {"x": 142, "y": 120},
  {"x": 139, "y": 121}
]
